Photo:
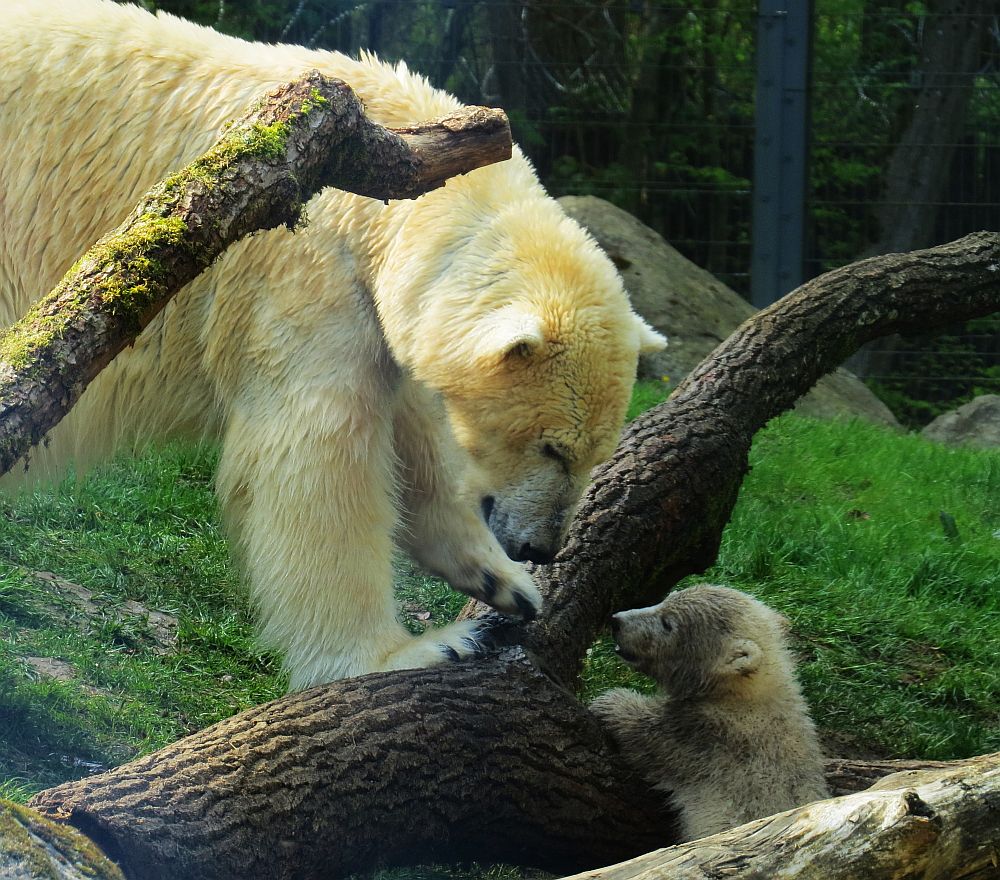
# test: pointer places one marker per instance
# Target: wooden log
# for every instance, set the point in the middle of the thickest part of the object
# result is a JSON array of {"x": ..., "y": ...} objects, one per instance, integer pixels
[
  {"x": 35, "y": 848},
  {"x": 937, "y": 824},
  {"x": 655, "y": 512},
  {"x": 474, "y": 761}
]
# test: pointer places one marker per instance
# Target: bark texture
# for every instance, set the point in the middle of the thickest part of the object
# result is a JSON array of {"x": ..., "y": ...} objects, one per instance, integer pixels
[
  {"x": 495, "y": 759},
  {"x": 654, "y": 513},
  {"x": 934, "y": 824},
  {"x": 298, "y": 139}
]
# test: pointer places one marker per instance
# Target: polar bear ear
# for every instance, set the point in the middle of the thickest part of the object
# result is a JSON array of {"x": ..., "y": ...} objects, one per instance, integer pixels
[
  {"x": 512, "y": 332},
  {"x": 649, "y": 339},
  {"x": 740, "y": 657}
]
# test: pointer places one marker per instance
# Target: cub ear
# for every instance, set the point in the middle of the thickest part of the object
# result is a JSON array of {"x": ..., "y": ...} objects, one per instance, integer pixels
[
  {"x": 740, "y": 657},
  {"x": 511, "y": 332},
  {"x": 649, "y": 339}
]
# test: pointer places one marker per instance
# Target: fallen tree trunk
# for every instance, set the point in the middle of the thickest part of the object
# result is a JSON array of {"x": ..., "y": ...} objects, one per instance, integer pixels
[
  {"x": 297, "y": 140},
  {"x": 488, "y": 762},
  {"x": 938, "y": 824},
  {"x": 305, "y": 792},
  {"x": 845, "y": 776}
]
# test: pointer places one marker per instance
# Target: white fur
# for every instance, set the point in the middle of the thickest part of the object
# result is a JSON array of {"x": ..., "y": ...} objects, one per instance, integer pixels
[{"x": 337, "y": 364}]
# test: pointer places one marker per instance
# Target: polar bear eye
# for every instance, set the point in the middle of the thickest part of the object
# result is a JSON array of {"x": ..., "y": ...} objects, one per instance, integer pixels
[
  {"x": 557, "y": 455},
  {"x": 667, "y": 625}
]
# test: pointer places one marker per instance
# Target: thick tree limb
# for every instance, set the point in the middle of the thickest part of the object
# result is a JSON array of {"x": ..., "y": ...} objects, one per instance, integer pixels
[
  {"x": 845, "y": 776},
  {"x": 35, "y": 848},
  {"x": 341, "y": 778},
  {"x": 300, "y": 138},
  {"x": 933, "y": 824}
]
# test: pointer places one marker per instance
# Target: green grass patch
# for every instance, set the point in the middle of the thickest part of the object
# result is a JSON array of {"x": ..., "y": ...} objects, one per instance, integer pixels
[
  {"x": 144, "y": 530},
  {"x": 884, "y": 550},
  {"x": 896, "y": 608}
]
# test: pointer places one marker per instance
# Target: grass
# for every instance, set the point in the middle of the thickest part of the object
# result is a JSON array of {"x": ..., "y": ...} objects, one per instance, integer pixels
[
  {"x": 884, "y": 551},
  {"x": 896, "y": 609},
  {"x": 144, "y": 530}
]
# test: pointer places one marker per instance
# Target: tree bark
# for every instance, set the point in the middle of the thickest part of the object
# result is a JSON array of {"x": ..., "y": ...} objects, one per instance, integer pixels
[
  {"x": 933, "y": 824},
  {"x": 487, "y": 761},
  {"x": 299, "y": 138},
  {"x": 846, "y": 776},
  {"x": 654, "y": 513},
  {"x": 494, "y": 759},
  {"x": 35, "y": 848}
]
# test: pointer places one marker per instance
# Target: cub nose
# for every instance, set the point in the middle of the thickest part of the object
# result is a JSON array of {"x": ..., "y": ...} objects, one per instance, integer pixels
[{"x": 615, "y": 624}]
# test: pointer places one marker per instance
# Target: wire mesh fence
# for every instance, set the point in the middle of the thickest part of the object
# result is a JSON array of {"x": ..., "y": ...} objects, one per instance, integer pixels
[{"x": 651, "y": 105}]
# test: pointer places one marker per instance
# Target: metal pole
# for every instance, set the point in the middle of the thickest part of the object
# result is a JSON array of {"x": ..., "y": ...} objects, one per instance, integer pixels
[{"x": 781, "y": 148}]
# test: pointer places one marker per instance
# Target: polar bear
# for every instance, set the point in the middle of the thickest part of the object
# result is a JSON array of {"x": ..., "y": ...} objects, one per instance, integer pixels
[
  {"x": 730, "y": 736},
  {"x": 440, "y": 373}
]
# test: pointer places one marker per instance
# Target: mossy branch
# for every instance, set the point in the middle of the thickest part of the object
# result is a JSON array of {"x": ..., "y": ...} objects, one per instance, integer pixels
[{"x": 299, "y": 138}]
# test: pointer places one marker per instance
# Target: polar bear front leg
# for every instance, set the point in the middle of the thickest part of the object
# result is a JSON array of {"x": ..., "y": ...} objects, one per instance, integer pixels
[
  {"x": 441, "y": 530},
  {"x": 308, "y": 500}
]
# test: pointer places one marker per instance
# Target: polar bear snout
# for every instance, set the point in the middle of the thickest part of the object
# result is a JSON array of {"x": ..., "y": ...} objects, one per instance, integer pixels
[{"x": 523, "y": 536}]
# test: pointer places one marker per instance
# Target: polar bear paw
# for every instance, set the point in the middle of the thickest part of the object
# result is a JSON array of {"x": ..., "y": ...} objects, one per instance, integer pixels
[
  {"x": 489, "y": 576},
  {"x": 449, "y": 643},
  {"x": 512, "y": 591}
]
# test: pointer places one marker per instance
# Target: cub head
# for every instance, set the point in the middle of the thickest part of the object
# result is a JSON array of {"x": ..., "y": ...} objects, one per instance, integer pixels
[
  {"x": 704, "y": 641},
  {"x": 534, "y": 355}
]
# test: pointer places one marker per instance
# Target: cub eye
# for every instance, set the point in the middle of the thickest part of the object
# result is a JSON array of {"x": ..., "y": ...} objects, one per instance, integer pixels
[{"x": 667, "y": 625}]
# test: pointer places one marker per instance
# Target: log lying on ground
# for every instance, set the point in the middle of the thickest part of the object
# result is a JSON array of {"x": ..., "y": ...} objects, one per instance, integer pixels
[
  {"x": 486, "y": 761},
  {"x": 656, "y": 510},
  {"x": 938, "y": 824},
  {"x": 846, "y": 776},
  {"x": 298, "y": 139}
]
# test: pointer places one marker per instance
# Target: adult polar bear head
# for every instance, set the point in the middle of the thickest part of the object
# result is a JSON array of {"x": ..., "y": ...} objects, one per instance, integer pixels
[
  {"x": 385, "y": 376},
  {"x": 524, "y": 328}
]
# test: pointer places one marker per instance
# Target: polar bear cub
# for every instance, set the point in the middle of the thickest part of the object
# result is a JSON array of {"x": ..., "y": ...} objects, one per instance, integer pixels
[{"x": 729, "y": 735}]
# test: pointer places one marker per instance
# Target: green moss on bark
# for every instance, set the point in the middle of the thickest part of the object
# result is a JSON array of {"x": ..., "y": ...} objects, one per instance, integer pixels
[
  {"x": 31, "y": 842},
  {"x": 124, "y": 277},
  {"x": 121, "y": 274}
]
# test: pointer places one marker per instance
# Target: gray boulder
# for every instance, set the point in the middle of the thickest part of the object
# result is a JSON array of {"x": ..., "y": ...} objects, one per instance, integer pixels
[
  {"x": 696, "y": 310},
  {"x": 976, "y": 423}
]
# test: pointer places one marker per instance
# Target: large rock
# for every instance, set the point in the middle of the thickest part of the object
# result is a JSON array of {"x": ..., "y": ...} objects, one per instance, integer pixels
[
  {"x": 695, "y": 309},
  {"x": 976, "y": 423}
]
